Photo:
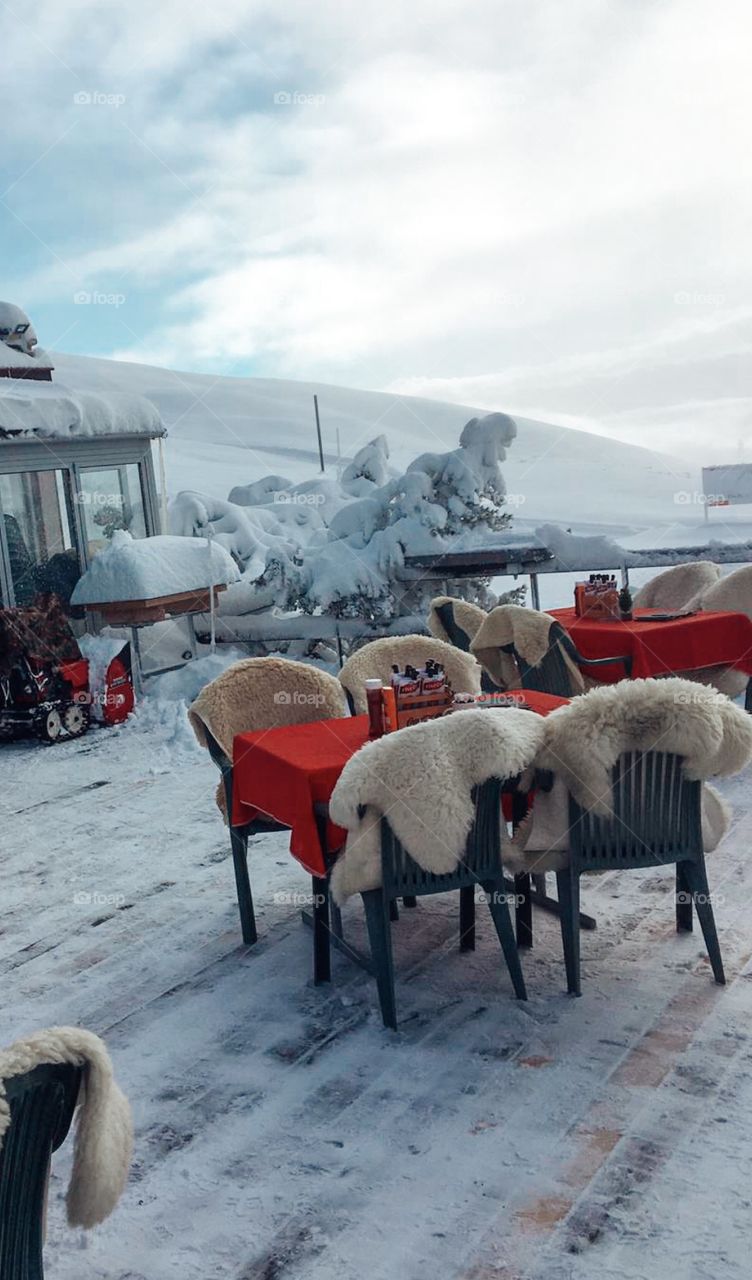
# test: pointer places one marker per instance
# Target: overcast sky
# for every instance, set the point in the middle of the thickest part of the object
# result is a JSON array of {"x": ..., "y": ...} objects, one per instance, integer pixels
[{"x": 539, "y": 206}]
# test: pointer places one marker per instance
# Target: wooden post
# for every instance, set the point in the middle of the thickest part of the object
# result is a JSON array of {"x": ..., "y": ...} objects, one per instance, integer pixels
[{"x": 318, "y": 431}]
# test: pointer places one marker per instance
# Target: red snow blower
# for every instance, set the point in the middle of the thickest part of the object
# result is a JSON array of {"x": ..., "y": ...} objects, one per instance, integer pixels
[{"x": 45, "y": 686}]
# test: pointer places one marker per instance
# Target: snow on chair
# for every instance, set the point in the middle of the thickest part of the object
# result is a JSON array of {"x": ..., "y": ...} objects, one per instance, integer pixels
[
  {"x": 376, "y": 659},
  {"x": 525, "y": 648},
  {"x": 675, "y": 587},
  {"x": 423, "y": 815},
  {"x": 42, "y": 1081},
  {"x": 255, "y": 694},
  {"x": 628, "y": 764}
]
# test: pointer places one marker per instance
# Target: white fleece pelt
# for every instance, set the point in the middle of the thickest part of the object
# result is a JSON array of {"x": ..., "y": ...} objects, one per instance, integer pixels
[
  {"x": 583, "y": 741},
  {"x": 528, "y": 630},
  {"x": 263, "y": 693},
  {"x": 675, "y": 587},
  {"x": 104, "y": 1129},
  {"x": 421, "y": 779},
  {"x": 375, "y": 661},
  {"x": 731, "y": 594},
  {"x": 468, "y": 616}
]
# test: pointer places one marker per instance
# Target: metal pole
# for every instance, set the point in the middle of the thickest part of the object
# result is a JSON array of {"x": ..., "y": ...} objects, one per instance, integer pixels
[
  {"x": 534, "y": 591},
  {"x": 318, "y": 431}
]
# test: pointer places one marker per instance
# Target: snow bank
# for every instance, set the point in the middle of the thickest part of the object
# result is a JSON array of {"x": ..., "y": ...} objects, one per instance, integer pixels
[
  {"x": 50, "y": 409},
  {"x": 585, "y": 552},
  {"x": 144, "y": 568}
]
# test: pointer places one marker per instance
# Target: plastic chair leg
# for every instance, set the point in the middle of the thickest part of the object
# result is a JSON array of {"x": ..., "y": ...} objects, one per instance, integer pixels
[
  {"x": 698, "y": 883},
  {"x": 523, "y": 911},
  {"x": 467, "y": 918},
  {"x": 322, "y": 955},
  {"x": 380, "y": 937},
  {"x": 409, "y": 902},
  {"x": 683, "y": 900},
  {"x": 568, "y": 886},
  {"x": 239, "y": 844},
  {"x": 499, "y": 908}
]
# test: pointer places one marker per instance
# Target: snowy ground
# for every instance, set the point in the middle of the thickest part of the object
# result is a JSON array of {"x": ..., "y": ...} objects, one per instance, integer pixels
[{"x": 282, "y": 1133}]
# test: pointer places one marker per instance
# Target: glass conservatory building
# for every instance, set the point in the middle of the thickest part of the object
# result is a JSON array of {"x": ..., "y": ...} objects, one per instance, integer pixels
[{"x": 74, "y": 467}]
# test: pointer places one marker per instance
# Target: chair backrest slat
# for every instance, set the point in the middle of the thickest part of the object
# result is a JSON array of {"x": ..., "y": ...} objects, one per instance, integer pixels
[
  {"x": 403, "y": 876},
  {"x": 42, "y": 1103},
  {"x": 656, "y": 816}
]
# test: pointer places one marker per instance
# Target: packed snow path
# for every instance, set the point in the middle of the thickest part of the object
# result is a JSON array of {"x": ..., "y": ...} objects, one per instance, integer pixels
[{"x": 282, "y": 1133}]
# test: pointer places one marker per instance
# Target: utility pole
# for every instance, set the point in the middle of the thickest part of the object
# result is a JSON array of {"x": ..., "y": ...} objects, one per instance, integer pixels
[{"x": 318, "y": 431}]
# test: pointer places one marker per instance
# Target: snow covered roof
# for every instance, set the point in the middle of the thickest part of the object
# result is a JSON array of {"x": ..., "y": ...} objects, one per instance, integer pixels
[{"x": 44, "y": 410}]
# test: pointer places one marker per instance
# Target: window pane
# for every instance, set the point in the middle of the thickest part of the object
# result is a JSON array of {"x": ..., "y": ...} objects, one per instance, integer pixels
[
  {"x": 36, "y": 517},
  {"x": 110, "y": 499}
]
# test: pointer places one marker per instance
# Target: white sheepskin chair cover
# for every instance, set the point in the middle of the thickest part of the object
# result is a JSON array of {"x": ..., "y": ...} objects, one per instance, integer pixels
[
  {"x": 529, "y": 631},
  {"x": 375, "y": 661},
  {"x": 104, "y": 1129},
  {"x": 583, "y": 741},
  {"x": 675, "y": 587},
  {"x": 468, "y": 617},
  {"x": 263, "y": 693},
  {"x": 421, "y": 779},
  {"x": 732, "y": 594}
]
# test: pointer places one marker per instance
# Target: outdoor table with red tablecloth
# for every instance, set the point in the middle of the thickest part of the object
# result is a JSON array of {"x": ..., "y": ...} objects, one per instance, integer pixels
[
  {"x": 659, "y": 648},
  {"x": 285, "y": 773}
]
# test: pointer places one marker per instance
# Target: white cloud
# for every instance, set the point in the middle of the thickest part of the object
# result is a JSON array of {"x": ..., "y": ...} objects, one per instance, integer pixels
[{"x": 498, "y": 205}]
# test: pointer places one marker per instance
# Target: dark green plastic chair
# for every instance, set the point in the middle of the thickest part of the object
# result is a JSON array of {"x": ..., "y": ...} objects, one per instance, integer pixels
[
  {"x": 461, "y": 640},
  {"x": 656, "y": 822},
  {"x": 42, "y": 1103},
  {"x": 552, "y": 674},
  {"x": 402, "y": 876}
]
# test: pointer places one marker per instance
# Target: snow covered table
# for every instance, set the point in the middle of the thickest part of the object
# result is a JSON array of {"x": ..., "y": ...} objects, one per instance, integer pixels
[
  {"x": 662, "y": 648},
  {"x": 136, "y": 582}
]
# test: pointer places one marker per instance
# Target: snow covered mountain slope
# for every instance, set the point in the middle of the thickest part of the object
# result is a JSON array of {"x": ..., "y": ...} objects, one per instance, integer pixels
[{"x": 227, "y": 431}]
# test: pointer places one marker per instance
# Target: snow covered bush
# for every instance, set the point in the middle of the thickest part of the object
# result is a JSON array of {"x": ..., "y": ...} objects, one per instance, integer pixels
[{"x": 339, "y": 547}]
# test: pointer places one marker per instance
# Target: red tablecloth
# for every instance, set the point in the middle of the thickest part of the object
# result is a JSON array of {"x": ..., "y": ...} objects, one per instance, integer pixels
[
  {"x": 659, "y": 648},
  {"x": 283, "y": 773}
]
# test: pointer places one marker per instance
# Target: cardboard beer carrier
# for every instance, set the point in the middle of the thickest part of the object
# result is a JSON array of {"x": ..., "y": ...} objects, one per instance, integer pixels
[{"x": 598, "y": 598}]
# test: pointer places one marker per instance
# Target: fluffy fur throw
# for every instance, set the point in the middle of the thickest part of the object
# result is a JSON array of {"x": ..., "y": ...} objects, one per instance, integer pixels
[
  {"x": 264, "y": 693},
  {"x": 734, "y": 594},
  {"x": 421, "y": 779},
  {"x": 675, "y": 587},
  {"x": 375, "y": 660},
  {"x": 583, "y": 741},
  {"x": 104, "y": 1130},
  {"x": 468, "y": 617},
  {"x": 528, "y": 630}
]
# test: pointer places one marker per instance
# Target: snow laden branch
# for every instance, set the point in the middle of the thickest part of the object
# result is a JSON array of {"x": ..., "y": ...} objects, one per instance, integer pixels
[{"x": 339, "y": 547}]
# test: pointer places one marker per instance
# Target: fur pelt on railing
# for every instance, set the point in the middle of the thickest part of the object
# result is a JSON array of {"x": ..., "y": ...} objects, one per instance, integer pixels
[
  {"x": 421, "y": 779},
  {"x": 104, "y": 1129},
  {"x": 583, "y": 741},
  {"x": 469, "y": 617},
  {"x": 375, "y": 661},
  {"x": 528, "y": 630},
  {"x": 675, "y": 587}
]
